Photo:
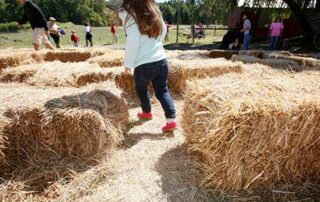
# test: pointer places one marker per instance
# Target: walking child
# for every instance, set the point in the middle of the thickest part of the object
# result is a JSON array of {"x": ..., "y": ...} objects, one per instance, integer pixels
[
  {"x": 145, "y": 29},
  {"x": 114, "y": 33},
  {"x": 34, "y": 15},
  {"x": 75, "y": 39}
]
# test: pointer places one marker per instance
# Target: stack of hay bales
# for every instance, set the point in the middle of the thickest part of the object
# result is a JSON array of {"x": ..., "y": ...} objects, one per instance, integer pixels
[
  {"x": 82, "y": 122},
  {"x": 19, "y": 58},
  {"x": 254, "y": 130},
  {"x": 58, "y": 74},
  {"x": 188, "y": 54},
  {"x": 307, "y": 63},
  {"x": 278, "y": 63},
  {"x": 72, "y": 55},
  {"x": 183, "y": 70},
  {"x": 227, "y": 54},
  {"x": 112, "y": 58}
]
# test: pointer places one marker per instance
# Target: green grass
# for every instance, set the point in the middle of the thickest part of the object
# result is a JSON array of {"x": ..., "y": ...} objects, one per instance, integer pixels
[{"x": 101, "y": 36}]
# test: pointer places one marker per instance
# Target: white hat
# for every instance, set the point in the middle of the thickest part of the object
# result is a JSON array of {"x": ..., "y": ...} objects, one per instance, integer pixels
[{"x": 52, "y": 19}]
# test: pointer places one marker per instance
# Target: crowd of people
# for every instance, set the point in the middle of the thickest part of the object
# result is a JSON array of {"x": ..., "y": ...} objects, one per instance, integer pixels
[
  {"x": 43, "y": 32},
  {"x": 231, "y": 39}
]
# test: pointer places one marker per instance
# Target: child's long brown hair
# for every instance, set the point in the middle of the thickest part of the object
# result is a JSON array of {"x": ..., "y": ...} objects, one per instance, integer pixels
[{"x": 146, "y": 14}]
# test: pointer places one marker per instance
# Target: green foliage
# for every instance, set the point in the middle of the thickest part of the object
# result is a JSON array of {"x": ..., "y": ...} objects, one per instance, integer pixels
[
  {"x": 76, "y": 11},
  {"x": 11, "y": 27}
]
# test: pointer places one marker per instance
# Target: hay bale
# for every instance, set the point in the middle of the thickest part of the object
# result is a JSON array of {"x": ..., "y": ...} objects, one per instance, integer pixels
[
  {"x": 71, "y": 55},
  {"x": 278, "y": 63},
  {"x": 126, "y": 83},
  {"x": 18, "y": 74},
  {"x": 113, "y": 58},
  {"x": 58, "y": 74},
  {"x": 188, "y": 54},
  {"x": 227, "y": 54},
  {"x": 19, "y": 58},
  {"x": 255, "y": 53},
  {"x": 255, "y": 132},
  {"x": 183, "y": 70},
  {"x": 307, "y": 63},
  {"x": 81, "y": 122}
]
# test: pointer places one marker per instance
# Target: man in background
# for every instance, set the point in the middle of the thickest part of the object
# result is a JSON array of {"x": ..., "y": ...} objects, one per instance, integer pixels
[
  {"x": 246, "y": 31},
  {"x": 34, "y": 15}
]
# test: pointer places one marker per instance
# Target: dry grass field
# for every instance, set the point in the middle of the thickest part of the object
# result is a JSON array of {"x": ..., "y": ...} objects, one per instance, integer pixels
[{"x": 249, "y": 128}]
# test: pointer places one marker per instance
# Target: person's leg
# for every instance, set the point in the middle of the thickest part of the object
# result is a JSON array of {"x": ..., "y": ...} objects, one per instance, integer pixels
[
  {"x": 160, "y": 85},
  {"x": 271, "y": 43},
  {"x": 87, "y": 40},
  {"x": 246, "y": 42},
  {"x": 36, "y": 47},
  {"x": 275, "y": 43},
  {"x": 46, "y": 42},
  {"x": 142, "y": 78},
  {"x": 90, "y": 40}
]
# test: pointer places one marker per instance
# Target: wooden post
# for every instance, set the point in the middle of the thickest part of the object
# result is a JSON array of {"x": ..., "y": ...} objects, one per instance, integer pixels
[
  {"x": 177, "y": 38},
  {"x": 192, "y": 32}
]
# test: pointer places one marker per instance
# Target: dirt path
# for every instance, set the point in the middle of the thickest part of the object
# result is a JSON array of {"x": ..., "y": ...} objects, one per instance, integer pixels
[
  {"x": 149, "y": 166},
  {"x": 152, "y": 167}
]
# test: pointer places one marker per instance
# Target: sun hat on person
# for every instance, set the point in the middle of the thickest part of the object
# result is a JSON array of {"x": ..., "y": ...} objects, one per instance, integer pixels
[{"x": 52, "y": 19}]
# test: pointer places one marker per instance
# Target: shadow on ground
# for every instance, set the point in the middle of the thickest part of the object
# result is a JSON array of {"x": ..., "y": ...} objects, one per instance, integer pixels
[{"x": 181, "y": 177}]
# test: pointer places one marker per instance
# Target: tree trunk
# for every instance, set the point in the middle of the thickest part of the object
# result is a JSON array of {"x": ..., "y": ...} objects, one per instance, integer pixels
[{"x": 301, "y": 17}]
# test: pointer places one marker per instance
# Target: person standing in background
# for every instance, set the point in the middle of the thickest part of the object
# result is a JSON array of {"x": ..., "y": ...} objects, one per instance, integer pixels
[
  {"x": 34, "y": 15},
  {"x": 89, "y": 35},
  {"x": 114, "y": 33},
  {"x": 75, "y": 39},
  {"x": 166, "y": 39},
  {"x": 246, "y": 32},
  {"x": 54, "y": 31},
  {"x": 276, "y": 31}
]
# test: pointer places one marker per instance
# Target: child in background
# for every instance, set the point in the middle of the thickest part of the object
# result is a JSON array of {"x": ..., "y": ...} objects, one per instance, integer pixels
[
  {"x": 75, "y": 39},
  {"x": 145, "y": 29},
  {"x": 114, "y": 33}
]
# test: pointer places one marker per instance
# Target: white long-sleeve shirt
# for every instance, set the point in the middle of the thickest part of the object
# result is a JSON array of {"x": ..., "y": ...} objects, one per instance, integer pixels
[{"x": 140, "y": 49}]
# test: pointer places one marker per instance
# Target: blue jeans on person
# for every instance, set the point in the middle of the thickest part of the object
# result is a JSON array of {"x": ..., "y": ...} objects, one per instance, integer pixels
[
  {"x": 246, "y": 41},
  {"x": 157, "y": 74},
  {"x": 273, "y": 43}
]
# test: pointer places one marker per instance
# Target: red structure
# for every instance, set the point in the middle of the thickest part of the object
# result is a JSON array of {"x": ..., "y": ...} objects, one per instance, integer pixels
[{"x": 260, "y": 32}]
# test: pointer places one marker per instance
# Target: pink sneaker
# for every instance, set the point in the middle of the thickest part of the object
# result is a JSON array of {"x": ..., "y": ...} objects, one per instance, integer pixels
[
  {"x": 170, "y": 127},
  {"x": 146, "y": 116}
]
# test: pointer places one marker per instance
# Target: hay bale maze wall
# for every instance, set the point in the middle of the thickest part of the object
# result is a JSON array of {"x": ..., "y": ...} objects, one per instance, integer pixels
[
  {"x": 227, "y": 54},
  {"x": 183, "y": 70},
  {"x": 58, "y": 74},
  {"x": 82, "y": 122},
  {"x": 19, "y": 58},
  {"x": 255, "y": 131},
  {"x": 72, "y": 55},
  {"x": 112, "y": 58}
]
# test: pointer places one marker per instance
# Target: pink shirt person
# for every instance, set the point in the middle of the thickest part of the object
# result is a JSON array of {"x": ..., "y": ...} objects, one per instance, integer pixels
[{"x": 276, "y": 29}]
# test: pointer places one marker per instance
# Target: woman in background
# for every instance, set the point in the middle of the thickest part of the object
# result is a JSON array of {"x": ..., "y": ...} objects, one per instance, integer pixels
[
  {"x": 276, "y": 31},
  {"x": 89, "y": 35}
]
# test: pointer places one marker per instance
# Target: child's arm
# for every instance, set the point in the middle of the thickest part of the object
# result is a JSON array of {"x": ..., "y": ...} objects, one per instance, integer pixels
[
  {"x": 164, "y": 31},
  {"x": 132, "y": 45}
]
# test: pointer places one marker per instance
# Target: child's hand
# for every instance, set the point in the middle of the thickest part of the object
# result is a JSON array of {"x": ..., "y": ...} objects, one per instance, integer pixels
[{"x": 127, "y": 70}]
